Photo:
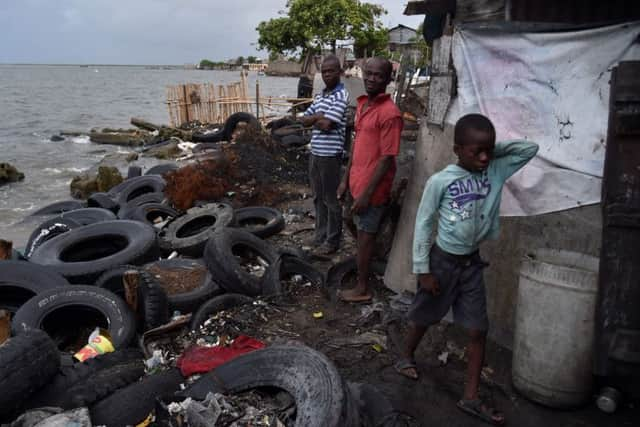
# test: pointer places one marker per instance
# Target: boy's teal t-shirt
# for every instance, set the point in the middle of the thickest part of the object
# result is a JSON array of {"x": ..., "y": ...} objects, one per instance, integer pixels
[{"x": 467, "y": 203}]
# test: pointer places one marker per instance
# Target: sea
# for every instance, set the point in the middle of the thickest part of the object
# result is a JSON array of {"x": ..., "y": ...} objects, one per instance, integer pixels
[{"x": 38, "y": 101}]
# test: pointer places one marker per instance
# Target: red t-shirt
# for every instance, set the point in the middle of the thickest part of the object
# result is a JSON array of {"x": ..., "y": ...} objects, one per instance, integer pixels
[{"x": 377, "y": 134}]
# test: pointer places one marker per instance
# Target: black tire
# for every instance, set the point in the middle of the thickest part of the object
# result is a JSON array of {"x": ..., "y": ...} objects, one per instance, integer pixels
[
  {"x": 153, "y": 304},
  {"x": 149, "y": 211},
  {"x": 186, "y": 302},
  {"x": 133, "y": 204},
  {"x": 58, "y": 208},
  {"x": 27, "y": 362},
  {"x": 216, "y": 304},
  {"x": 104, "y": 201},
  {"x": 287, "y": 265},
  {"x": 48, "y": 230},
  {"x": 309, "y": 376},
  {"x": 134, "y": 171},
  {"x": 54, "y": 391},
  {"x": 227, "y": 131},
  {"x": 294, "y": 140},
  {"x": 138, "y": 186},
  {"x": 189, "y": 233},
  {"x": 20, "y": 281},
  {"x": 161, "y": 169},
  {"x": 134, "y": 403},
  {"x": 84, "y": 253},
  {"x": 71, "y": 308},
  {"x": 337, "y": 272},
  {"x": 293, "y": 251},
  {"x": 86, "y": 216},
  {"x": 225, "y": 267},
  {"x": 111, "y": 279},
  {"x": 259, "y": 220}
]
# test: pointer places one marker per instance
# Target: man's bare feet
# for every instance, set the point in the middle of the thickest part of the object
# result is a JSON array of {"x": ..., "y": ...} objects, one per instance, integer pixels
[{"x": 354, "y": 295}]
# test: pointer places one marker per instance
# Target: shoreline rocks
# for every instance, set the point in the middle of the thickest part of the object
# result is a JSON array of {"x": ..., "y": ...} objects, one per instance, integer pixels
[{"x": 9, "y": 173}]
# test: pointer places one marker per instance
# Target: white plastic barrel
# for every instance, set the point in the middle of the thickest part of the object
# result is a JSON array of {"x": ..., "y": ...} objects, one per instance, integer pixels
[{"x": 554, "y": 327}]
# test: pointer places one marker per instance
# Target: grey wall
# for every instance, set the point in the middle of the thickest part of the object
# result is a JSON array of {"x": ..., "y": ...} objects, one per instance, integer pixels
[{"x": 576, "y": 230}]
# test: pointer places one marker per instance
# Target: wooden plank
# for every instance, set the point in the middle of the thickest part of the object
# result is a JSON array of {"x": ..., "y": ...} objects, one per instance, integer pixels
[
  {"x": 441, "y": 55},
  {"x": 440, "y": 90}
]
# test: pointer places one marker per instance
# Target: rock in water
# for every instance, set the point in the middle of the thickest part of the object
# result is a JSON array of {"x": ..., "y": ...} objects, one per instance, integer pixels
[
  {"x": 108, "y": 177},
  {"x": 8, "y": 173},
  {"x": 82, "y": 186}
]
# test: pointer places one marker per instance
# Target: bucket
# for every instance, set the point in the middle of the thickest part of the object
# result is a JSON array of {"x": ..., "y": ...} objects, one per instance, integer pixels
[{"x": 554, "y": 328}]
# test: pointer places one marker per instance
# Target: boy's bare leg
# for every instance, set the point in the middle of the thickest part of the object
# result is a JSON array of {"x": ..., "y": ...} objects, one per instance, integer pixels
[
  {"x": 414, "y": 336},
  {"x": 475, "y": 359},
  {"x": 365, "y": 246}
]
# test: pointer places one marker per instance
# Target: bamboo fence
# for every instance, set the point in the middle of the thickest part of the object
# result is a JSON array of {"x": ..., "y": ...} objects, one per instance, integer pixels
[{"x": 210, "y": 103}]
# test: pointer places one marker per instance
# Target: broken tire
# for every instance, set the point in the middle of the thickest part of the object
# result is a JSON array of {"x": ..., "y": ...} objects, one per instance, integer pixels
[
  {"x": 309, "y": 376},
  {"x": 189, "y": 233},
  {"x": 220, "y": 257},
  {"x": 149, "y": 212},
  {"x": 84, "y": 253},
  {"x": 154, "y": 304},
  {"x": 285, "y": 266},
  {"x": 58, "y": 208},
  {"x": 104, "y": 201},
  {"x": 337, "y": 272},
  {"x": 48, "y": 230},
  {"x": 72, "y": 308},
  {"x": 27, "y": 362},
  {"x": 189, "y": 301},
  {"x": 161, "y": 169},
  {"x": 214, "y": 305},
  {"x": 226, "y": 132},
  {"x": 132, "y": 404},
  {"x": 54, "y": 392},
  {"x": 133, "y": 204},
  {"x": 260, "y": 221},
  {"x": 374, "y": 408},
  {"x": 20, "y": 281}
]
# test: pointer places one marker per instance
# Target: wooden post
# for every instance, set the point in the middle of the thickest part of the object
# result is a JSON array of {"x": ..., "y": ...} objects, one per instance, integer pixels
[
  {"x": 258, "y": 99},
  {"x": 5, "y": 249},
  {"x": 131, "y": 281},
  {"x": 185, "y": 99}
]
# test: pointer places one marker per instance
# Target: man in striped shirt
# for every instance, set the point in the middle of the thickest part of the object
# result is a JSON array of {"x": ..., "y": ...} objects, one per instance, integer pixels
[{"x": 327, "y": 115}]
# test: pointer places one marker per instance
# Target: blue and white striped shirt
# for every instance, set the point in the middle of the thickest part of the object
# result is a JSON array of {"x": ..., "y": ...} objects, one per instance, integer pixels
[{"x": 333, "y": 104}]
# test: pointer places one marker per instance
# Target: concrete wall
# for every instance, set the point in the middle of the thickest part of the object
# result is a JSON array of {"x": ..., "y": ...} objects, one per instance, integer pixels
[
  {"x": 576, "y": 230},
  {"x": 284, "y": 68}
]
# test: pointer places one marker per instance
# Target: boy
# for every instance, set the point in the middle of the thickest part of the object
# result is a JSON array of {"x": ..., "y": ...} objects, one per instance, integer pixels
[
  {"x": 327, "y": 115},
  {"x": 466, "y": 197}
]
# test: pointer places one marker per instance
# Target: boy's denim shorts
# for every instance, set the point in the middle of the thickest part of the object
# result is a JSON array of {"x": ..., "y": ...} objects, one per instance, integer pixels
[
  {"x": 369, "y": 220},
  {"x": 461, "y": 288}
]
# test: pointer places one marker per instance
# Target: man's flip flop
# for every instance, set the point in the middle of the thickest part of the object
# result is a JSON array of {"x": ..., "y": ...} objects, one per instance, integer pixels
[
  {"x": 478, "y": 409},
  {"x": 402, "y": 365},
  {"x": 346, "y": 297}
]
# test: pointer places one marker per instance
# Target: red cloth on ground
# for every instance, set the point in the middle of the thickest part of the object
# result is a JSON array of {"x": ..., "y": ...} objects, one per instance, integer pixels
[
  {"x": 378, "y": 132},
  {"x": 198, "y": 360}
]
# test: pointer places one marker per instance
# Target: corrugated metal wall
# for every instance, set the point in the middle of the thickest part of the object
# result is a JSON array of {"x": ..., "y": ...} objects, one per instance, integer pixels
[{"x": 573, "y": 11}]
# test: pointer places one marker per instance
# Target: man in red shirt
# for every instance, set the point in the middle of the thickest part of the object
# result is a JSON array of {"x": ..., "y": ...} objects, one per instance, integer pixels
[{"x": 372, "y": 166}]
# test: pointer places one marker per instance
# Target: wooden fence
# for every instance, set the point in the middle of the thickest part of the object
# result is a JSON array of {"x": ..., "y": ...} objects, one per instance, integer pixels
[{"x": 208, "y": 103}]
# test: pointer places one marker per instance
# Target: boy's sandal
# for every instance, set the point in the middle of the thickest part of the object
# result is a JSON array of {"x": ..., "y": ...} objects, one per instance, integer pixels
[
  {"x": 478, "y": 409},
  {"x": 348, "y": 295},
  {"x": 402, "y": 365}
]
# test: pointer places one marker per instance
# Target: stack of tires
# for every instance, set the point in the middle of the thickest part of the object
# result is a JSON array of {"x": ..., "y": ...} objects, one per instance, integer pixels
[{"x": 72, "y": 282}]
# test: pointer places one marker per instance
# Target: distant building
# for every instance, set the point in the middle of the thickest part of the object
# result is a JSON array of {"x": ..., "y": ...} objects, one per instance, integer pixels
[{"x": 402, "y": 39}]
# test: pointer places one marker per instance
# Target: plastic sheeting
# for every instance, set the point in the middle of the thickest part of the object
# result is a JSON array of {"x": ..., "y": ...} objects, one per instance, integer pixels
[{"x": 551, "y": 88}]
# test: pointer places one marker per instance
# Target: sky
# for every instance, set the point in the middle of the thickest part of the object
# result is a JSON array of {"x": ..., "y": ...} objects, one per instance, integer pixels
[{"x": 142, "y": 31}]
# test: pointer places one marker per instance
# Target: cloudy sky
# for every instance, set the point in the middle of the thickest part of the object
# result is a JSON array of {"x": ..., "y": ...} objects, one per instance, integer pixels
[{"x": 141, "y": 31}]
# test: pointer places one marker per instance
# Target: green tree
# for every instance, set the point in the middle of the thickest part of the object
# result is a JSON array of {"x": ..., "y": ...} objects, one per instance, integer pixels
[
  {"x": 309, "y": 25},
  {"x": 252, "y": 59},
  {"x": 206, "y": 64},
  {"x": 240, "y": 60}
]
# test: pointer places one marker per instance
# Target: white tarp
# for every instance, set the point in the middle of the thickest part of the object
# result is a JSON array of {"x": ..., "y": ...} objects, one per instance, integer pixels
[{"x": 551, "y": 88}]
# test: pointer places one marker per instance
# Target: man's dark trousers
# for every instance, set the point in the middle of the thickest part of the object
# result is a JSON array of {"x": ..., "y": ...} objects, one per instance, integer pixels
[{"x": 325, "y": 174}]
